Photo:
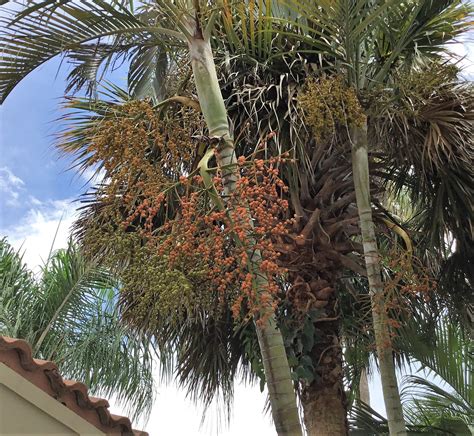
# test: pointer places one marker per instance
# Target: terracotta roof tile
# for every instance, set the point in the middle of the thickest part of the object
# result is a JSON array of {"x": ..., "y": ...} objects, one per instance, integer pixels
[{"x": 17, "y": 354}]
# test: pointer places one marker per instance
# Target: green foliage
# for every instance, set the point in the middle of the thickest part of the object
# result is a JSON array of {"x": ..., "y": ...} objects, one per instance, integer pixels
[
  {"x": 446, "y": 353},
  {"x": 300, "y": 335},
  {"x": 69, "y": 315},
  {"x": 50, "y": 28},
  {"x": 440, "y": 406}
]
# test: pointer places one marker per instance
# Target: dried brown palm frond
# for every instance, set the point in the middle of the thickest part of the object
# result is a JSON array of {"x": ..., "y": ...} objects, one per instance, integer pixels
[{"x": 424, "y": 125}]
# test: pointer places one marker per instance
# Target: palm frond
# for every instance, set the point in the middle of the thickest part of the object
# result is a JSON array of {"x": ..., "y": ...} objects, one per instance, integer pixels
[
  {"x": 69, "y": 315},
  {"x": 419, "y": 30},
  {"x": 89, "y": 63},
  {"x": 455, "y": 284},
  {"x": 448, "y": 356},
  {"x": 364, "y": 420},
  {"x": 38, "y": 33},
  {"x": 16, "y": 280},
  {"x": 427, "y": 403},
  {"x": 148, "y": 71},
  {"x": 208, "y": 370}
]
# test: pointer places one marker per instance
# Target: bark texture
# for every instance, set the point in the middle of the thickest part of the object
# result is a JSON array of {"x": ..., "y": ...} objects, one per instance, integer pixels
[
  {"x": 316, "y": 253},
  {"x": 324, "y": 411},
  {"x": 324, "y": 400}
]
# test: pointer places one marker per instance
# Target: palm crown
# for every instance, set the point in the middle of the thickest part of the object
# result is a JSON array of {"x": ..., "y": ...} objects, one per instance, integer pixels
[{"x": 391, "y": 54}]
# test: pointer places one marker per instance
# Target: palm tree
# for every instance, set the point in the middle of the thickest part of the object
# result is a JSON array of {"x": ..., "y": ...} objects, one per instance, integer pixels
[
  {"x": 362, "y": 30},
  {"x": 188, "y": 26},
  {"x": 69, "y": 314},
  {"x": 268, "y": 52},
  {"x": 449, "y": 358}
]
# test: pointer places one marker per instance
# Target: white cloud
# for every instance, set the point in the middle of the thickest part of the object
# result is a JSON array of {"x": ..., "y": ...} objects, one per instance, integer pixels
[
  {"x": 34, "y": 201},
  {"x": 35, "y": 232},
  {"x": 11, "y": 186}
]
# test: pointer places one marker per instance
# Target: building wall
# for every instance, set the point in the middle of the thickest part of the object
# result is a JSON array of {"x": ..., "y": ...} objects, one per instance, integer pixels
[
  {"x": 19, "y": 416},
  {"x": 27, "y": 410}
]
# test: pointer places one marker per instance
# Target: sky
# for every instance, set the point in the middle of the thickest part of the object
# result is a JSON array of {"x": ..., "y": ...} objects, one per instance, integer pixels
[{"x": 38, "y": 201}]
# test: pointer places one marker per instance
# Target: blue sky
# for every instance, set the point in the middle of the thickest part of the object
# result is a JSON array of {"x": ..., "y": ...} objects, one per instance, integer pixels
[
  {"x": 37, "y": 193},
  {"x": 27, "y": 126}
]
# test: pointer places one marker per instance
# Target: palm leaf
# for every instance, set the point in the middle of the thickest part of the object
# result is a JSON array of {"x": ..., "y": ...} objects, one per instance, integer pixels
[
  {"x": 428, "y": 399},
  {"x": 41, "y": 32},
  {"x": 448, "y": 355},
  {"x": 70, "y": 315},
  {"x": 426, "y": 131},
  {"x": 148, "y": 73}
]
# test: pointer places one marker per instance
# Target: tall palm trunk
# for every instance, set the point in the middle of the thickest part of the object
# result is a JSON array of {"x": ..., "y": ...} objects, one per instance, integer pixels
[
  {"x": 324, "y": 400},
  {"x": 360, "y": 168},
  {"x": 277, "y": 371},
  {"x": 316, "y": 256}
]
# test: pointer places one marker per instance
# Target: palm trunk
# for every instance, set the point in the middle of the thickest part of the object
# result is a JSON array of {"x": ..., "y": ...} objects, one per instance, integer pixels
[
  {"x": 324, "y": 412},
  {"x": 277, "y": 371},
  {"x": 360, "y": 168},
  {"x": 324, "y": 400}
]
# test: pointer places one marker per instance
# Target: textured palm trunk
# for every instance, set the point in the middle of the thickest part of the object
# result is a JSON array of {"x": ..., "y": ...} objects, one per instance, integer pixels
[
  {"x": 360, "y": 168},
  {"x": 324, "y": 400},
  {"x": 277, "y": 371},
  {"x": 324, "y": 412},
  {"x": 315, "y": 253}
]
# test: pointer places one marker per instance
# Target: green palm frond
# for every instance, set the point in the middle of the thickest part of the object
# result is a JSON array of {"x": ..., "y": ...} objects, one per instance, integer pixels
[
  {"x": 148, "y": 71},
  {"x": 418, "y": 30},
  {"x": 427, "y": 403},
  {"x": 448, "y": 405},
  {"x": 374, "y": 37},
  {"x": 365, "y": 421},
  {"x": 144, "y": 53},
  {"x": 90, "y": 62},
  {"x": 430, "y": 407},
  {"x": 15, "y": 277},
  {"x": 74, "y": 29},
  {"x": 446, "y": 353},
  {"x": 69, "y": 315}
]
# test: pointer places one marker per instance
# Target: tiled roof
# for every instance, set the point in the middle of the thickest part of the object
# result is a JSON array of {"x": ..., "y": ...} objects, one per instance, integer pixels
[{"x": 17, "y": 354}]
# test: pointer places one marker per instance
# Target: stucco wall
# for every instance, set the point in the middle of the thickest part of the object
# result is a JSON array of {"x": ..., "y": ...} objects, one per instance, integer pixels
[
  {"x": 27, "y": 410},
  {"x": 19, "y": 417}
]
